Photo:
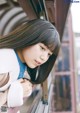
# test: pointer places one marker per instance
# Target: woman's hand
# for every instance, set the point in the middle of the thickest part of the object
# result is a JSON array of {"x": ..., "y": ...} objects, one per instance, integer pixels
[
  {"x": 27, "y": 87},
  {"x": 27, "y": 90}
]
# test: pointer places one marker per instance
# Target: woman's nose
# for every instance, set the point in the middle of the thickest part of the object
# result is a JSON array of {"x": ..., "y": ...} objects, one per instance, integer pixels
[{"x": 44, "y": 57}]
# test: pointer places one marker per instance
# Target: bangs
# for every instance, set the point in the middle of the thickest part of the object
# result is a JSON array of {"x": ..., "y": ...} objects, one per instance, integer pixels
[
  {"x": 51, "y": 39},
  {"x": 50, "y": 45}
]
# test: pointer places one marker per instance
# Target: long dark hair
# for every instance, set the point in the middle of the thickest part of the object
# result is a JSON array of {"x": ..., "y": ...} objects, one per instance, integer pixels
[{"x": 31, "y": 33}]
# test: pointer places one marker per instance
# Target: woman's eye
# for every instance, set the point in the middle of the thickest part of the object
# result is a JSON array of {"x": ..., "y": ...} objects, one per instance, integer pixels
[
  {"x": 49, "y": 54},
  {"x": 42, "y": 48}
]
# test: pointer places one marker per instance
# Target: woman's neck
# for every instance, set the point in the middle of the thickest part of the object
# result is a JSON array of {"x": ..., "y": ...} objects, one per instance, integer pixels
[{"x": 19, "y": 52}]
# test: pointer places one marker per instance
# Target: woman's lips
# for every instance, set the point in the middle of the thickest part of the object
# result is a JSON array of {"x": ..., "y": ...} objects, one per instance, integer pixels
[{"x": 37, "y": 62}]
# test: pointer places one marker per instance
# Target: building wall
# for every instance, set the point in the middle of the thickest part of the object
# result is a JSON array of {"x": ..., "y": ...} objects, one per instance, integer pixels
[{"x": 64, "y": 96}]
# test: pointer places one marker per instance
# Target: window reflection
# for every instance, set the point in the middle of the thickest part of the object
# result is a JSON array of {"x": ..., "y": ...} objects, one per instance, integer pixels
[
  {"x": 62, "y": 93},
  {"x": 62, "y": 63},
  {"x": 66, "y": 33}
]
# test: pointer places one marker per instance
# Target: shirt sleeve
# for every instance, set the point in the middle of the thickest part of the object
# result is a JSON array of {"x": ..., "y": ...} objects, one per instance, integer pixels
[
  {"x": 15, "y": 95},
  {"x": 8, "y": 64}
]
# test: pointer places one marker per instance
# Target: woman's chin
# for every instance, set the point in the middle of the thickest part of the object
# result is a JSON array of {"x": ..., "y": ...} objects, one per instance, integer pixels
[{"x": 32, "y": 66}]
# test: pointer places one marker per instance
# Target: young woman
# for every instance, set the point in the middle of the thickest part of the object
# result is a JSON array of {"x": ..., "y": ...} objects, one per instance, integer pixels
[{"x": 27, "y": 56}]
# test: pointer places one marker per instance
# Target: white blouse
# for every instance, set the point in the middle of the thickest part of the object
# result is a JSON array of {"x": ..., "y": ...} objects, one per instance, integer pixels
[{"x": 9, "y": 64}]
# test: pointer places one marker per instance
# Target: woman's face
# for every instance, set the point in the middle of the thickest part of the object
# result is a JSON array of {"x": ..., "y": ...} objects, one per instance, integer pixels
[{"x": 36, "y": 55}]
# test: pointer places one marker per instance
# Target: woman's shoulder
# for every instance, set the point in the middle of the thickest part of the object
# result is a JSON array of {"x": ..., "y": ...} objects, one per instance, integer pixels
[
  {"x": 7, "y": 55},
  {"x": 8, "y": 65},
  {"x": 8, "y": 59},
  {"x": 6, "y": 51}
]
